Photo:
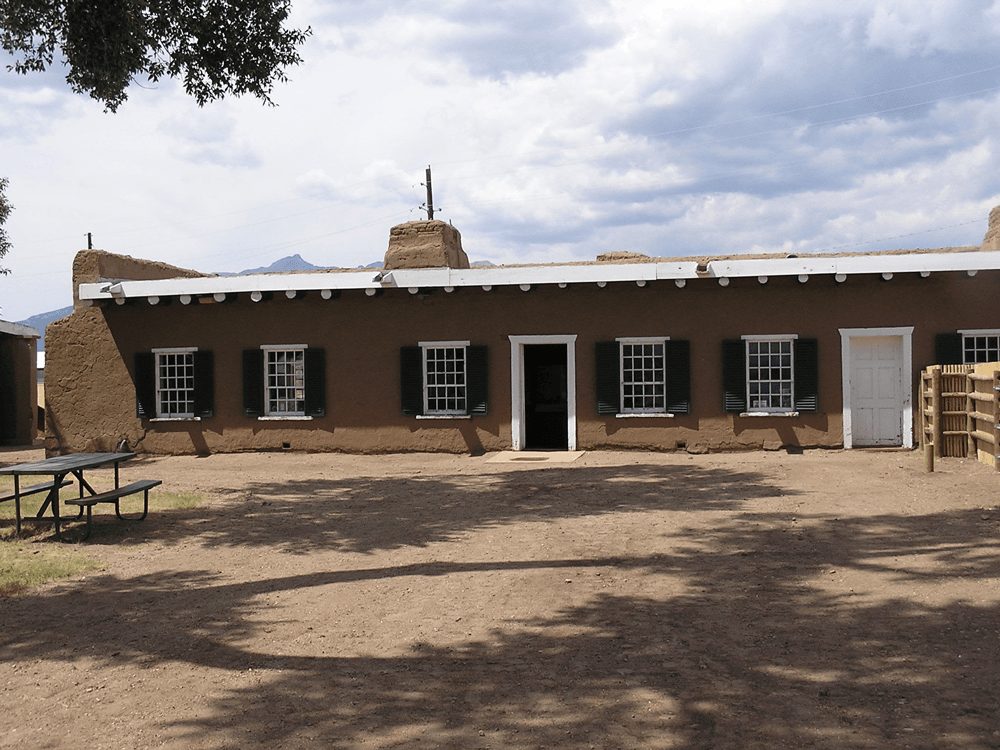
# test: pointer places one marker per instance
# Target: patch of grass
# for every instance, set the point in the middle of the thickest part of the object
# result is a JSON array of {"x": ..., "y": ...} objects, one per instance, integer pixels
[
  {"x": 130, "y": 506},
  {"x": 161, "y": 501},
  {"x": 106, "y": 526},
  {"x": 23, "y": 565}
]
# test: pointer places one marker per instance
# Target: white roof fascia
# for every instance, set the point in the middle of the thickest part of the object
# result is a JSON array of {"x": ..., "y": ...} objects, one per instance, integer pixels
[
  {"x": 206, "y": 285},
  {"x": 400, "y": 278},
  {"x": 904, "y": 263},
  {"x": 557, "y": 274},
  {"x": 582, "y": 274},
  {"x": 417, "y": 277},
  {"x": 685, "y": 270},
  {"x": 16, "y": 329}
]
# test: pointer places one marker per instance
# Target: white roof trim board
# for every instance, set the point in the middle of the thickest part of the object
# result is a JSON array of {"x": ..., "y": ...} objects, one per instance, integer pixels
[
  {"x": 16, "y": 329},
  {"x": 489, "y": 276}
]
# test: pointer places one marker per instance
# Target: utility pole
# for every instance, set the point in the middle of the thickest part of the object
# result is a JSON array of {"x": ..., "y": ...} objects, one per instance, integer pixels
[
  {"x": 90, "y": 241},
  {"x": 430, "y": 195}
]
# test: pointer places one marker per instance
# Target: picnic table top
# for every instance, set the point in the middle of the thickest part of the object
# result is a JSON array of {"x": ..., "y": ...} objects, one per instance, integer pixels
[{"x": 65, "y": 464}]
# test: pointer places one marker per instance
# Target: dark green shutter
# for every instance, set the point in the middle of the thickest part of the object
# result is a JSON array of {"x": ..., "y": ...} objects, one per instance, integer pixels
[
  {"x": 315, "y": 370},
  {"x": 734, "y": 375},
  {"x": 145, "y": 385},
  {"x": 948, "y": 349},
  {"x": 806, "y": 363},
  {"x": 253, "y": 383},
  {"x": 607, "y": 368},
  {"x": 411, "y": 379},
  {"x": 204, "y": 383},
  {"x": 476, "y": 379},
  {"x": 678, "y": 376}
]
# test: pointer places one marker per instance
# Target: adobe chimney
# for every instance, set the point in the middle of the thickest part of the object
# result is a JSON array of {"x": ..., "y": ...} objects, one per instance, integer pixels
[
  {"x": 425, "y": 244},
  {"x": 992, "y": 239}
]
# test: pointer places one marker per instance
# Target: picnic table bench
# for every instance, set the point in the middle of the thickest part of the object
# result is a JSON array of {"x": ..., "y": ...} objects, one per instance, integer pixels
[
  {"x": 34, "y": 489},
  {"x": 114, "y": 496},
  {"x": 60, "y": 468}
]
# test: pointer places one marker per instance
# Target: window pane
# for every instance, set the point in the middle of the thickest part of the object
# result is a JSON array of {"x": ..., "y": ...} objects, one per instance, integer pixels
[
  {"x": 642, "y": 377},
  {"x": 984, "y": 348},
  {"x": 444, "y": 380},
  {"x": 769, "y": 375},
  {"x": 175, "y": 384},
  {"x": 285, "y": 379}
]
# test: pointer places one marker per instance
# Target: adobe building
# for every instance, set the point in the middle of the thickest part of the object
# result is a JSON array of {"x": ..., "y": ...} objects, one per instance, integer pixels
[
  {"x": 429, "y": 354},
  {"x": 18, "y": 389}
]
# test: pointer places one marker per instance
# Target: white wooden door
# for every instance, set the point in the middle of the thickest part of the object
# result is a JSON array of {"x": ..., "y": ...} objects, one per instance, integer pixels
[{"x": 877, "y": 390}]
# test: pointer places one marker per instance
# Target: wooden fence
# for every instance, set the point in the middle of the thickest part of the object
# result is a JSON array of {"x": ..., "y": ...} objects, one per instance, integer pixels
[{"x": 960, "y": 412}]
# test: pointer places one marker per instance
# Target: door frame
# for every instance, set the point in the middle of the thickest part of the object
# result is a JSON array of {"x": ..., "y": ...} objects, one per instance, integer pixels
[
  {"x": 906, "y": 386},
  {"x": 517, "y": 407}
]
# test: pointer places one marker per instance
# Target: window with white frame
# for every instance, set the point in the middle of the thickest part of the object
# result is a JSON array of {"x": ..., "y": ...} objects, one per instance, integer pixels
[
  {"x": 770, "y": 374},
  {"x": 445, "y": 377},
  {"x": 175, "y": 389},
  {"x": 284, "y": 381},
  {"x": 643, "y": 376},
  {"x": 443, "y": 380},
  {"x": 980, "y": 346}
]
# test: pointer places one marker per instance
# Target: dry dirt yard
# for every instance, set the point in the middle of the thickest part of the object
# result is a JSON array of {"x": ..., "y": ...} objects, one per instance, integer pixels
[{"x": 830, "y": 599}]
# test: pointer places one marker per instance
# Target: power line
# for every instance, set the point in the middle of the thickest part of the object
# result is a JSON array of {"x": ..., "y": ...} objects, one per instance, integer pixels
[{"x": 521, "y": 170}]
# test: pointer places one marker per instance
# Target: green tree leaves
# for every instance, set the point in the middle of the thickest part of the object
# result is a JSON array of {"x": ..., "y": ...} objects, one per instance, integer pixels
[
  {"x": 214, "y": 47},
  {"x": 5, "y": 209}
]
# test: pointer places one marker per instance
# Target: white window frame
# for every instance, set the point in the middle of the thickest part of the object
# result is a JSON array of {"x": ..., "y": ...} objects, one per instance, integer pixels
[
  {"x": 641, "y": 411},
  {"x": 429, "y": 413},
  {"x": 179, "y": 416},
  {"x": 283, "y": 414},
  {"x": 772, "y": 410},
  {"x": 974, "y": 332}
]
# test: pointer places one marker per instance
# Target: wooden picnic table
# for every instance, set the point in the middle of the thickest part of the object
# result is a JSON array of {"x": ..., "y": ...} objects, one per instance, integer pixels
[{"x": 59, "y": 468}]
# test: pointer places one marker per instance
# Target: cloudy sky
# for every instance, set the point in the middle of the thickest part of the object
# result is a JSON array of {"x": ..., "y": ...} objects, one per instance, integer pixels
[{"x": 556, "y": 131}]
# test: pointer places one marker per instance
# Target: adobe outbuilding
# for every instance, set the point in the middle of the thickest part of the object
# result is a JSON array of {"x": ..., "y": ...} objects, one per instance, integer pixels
[{"x": 18, "y": 389}]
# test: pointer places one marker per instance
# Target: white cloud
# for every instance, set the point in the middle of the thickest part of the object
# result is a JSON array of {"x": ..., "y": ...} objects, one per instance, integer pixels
[
  {"x": 908, "y": 27},
  {"x": 554, "y": 132},
  {"x": 210, "y": 137}
]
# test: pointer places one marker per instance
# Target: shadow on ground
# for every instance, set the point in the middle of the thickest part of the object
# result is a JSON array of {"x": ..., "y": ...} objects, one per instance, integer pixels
[
  {"x": 367, "y": 514},
  {"x": 755, "y": 653}
]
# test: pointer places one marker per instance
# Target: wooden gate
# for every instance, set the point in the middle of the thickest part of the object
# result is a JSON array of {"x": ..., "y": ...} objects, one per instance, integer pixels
[{"x": 960, "y": 411}]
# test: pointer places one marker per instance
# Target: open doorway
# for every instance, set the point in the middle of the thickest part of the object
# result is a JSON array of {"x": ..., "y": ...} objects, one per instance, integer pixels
[
  {"x": 545, "y": 398},
  {"x": 543, "y": 392}
]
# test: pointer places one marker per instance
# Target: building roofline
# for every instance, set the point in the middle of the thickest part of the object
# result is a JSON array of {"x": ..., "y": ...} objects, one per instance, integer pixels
[
  {"x": 17, "y": 329},
  {"x": 372, "y": 279}
]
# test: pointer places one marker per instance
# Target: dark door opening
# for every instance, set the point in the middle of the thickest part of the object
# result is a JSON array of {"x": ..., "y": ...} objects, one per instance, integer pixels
[{"x": 546, "y": 407}]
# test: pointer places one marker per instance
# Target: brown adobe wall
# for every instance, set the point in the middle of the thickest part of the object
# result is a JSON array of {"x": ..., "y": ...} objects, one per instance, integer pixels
[
  {"x": 19, "y": 394},
  {"x": 90, "y": 399},
  {"x": 92, "y": 266},
  {"x": 362, "y": 336}
]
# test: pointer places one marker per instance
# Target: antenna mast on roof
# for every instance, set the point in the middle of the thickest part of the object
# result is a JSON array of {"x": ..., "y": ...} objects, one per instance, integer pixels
[{"x": 430, "y": 195}]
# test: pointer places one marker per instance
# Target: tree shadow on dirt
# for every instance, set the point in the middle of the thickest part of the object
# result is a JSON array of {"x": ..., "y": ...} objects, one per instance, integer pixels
[
  {"x": 757, "y": 651},
  {"x": 366, "y": 514}
]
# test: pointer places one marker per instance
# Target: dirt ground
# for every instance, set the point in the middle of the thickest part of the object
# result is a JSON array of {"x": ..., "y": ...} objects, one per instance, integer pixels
[{"x": 829, "y": 599}]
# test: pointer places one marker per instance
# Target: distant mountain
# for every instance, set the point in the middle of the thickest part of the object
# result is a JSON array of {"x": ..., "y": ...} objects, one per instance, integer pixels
[
  {"x": 43, "y": 319},
  {"x": 285, "y": 265}
]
